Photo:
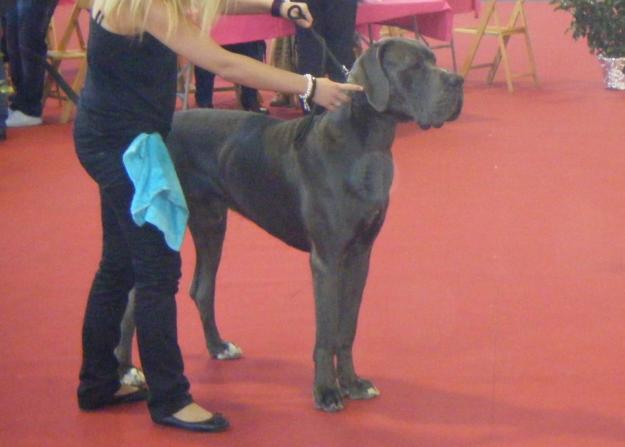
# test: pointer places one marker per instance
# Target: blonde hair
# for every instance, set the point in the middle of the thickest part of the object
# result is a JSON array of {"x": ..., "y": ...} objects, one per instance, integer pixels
[{"x": 202, "y": 12}]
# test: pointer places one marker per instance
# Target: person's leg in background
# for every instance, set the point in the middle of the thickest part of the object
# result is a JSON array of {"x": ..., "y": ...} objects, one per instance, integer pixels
[
  {"x": 335, "y": 21},
  {"x": 205, "y": 80},
  {"x": 26, "y": 31},
  {"x": 340, "y": 29},
  {"x": 204, "y": 83},
  {"x": 4, "y": 93},
  {"x": 309, "y": 54},
  {"x": 283, "y": 56},
  {"x": 249, "y": 96}
]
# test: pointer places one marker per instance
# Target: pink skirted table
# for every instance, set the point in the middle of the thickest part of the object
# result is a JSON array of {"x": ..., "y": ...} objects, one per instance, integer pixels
[{"x": 433, "y": 17}]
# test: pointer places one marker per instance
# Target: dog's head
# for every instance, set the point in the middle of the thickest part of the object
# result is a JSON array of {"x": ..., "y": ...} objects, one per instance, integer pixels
[{"x": 400, "y": 77}]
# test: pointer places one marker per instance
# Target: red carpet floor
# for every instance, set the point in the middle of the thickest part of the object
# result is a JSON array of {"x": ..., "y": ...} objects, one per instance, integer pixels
[{"x": 493, "y": 316}]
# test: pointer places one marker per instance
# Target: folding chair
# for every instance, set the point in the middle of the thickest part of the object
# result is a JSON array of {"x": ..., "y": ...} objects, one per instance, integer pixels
[
  {"x": 61, "y": 52},
  {"x": 517, "y": 24}
]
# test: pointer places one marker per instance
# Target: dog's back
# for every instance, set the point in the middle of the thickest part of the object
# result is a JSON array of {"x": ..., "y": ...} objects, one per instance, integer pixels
[{"x": 226, "y": 155}]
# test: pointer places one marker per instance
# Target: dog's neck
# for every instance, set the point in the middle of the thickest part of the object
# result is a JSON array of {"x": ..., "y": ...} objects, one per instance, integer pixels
[{"x": 373, "y": 130}]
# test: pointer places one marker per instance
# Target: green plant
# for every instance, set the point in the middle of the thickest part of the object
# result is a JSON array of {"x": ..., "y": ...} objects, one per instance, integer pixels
[{"x": 602, "y": 22}]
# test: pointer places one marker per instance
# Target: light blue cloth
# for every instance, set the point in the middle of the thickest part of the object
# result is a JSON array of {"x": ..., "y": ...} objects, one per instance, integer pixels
[{"x": 158, "y": 195}]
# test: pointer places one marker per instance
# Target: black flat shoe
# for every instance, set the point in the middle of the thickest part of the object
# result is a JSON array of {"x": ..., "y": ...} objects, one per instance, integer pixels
[
  {"x": 136, "y": 396},
  {"x": 215, "y": 424},
  {"x": 254, "y": 106}
]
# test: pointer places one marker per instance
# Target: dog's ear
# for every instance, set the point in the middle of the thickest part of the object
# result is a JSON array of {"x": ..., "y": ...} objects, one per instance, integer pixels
[{"x": 369, "y": 72}]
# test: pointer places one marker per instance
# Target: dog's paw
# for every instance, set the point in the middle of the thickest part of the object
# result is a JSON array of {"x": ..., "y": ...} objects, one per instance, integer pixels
[
  {"x": 132, "y": 376},
  {"x": 229, "y": 351},
  {"x": 328, "y": 399},
  {"x": 359, "y": 389}
]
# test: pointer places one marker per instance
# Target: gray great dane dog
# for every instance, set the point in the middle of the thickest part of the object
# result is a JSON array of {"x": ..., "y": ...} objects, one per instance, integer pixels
[{"x": 326, "y": 194}]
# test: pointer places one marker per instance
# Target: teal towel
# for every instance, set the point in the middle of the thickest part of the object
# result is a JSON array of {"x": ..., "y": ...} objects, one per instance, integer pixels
[{"x": 158, "y": 195}]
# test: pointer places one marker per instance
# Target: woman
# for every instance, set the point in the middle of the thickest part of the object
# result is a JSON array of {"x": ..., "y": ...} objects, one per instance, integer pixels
[{"x": 131, "y": 89}]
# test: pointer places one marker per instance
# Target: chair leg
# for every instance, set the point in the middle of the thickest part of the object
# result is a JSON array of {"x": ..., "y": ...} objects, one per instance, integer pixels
[
  {"x": 496, "y": 62},
  {"x": 452, "y": 48},
  {"x": 76, "y": 86},
  {"x": 468, "y": 62},
  {"x": 506, "y": 63},
  {"x": 530, "y": 56}
]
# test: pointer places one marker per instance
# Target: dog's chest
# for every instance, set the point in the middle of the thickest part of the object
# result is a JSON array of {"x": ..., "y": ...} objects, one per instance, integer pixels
[{"x": 370, "y": 177}]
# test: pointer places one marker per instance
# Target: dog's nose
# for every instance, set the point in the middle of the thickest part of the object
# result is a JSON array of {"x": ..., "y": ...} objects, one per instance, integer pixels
[{"x": 455, "y": 80}]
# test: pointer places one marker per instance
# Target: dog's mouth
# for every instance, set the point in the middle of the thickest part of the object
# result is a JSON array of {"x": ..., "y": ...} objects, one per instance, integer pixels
[
  {"x": 456, "y": 112},
  {"x": 437, "y": 124}
]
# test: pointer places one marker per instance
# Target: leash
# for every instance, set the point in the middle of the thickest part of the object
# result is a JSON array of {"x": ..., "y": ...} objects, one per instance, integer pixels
[{"x": 295, "y": 13}]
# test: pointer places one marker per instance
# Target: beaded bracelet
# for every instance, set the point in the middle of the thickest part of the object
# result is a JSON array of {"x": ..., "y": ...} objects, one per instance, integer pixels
[
  {"x": 310, "y": 91},
  {"x": 275, "y": 8}
]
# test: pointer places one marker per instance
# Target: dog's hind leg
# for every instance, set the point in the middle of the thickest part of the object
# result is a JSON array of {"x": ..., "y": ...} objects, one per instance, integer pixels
[
  {"x": 123, "y": 351},
  {"x": 356, "y": 267},
  {"x": 128, "y": 373},
  {"x": 207, "y": 222}
]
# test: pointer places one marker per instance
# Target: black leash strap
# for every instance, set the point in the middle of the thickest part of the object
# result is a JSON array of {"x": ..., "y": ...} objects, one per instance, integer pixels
[{"x": 295, "y": 13}]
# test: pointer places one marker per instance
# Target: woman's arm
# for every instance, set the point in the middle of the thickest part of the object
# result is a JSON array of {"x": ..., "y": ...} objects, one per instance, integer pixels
[{"x": 203, "y": 51}]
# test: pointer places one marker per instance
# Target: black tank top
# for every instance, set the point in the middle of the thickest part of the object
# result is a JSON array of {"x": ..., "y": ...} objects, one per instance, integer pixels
[{"x": 130, "y": 87}]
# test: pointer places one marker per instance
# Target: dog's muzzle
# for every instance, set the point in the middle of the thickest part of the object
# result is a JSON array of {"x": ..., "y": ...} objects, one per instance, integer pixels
[{"x": 449, "y": 104}]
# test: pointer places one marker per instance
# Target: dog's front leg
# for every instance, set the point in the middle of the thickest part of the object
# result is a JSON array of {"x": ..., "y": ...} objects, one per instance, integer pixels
[
  {"x": 326, "y": 287},
  {"x": 355, "y": 270}
]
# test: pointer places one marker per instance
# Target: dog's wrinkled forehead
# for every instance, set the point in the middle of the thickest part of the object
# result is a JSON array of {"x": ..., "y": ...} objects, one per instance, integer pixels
[{"x": 403, "y": 53}]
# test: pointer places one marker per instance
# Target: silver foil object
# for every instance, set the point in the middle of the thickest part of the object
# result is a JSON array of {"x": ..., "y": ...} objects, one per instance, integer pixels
[{"x": 613, "y": 75}]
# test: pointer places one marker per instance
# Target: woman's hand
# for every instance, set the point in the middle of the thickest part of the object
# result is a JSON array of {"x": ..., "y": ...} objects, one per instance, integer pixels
[
  {"x": 292, "y": 7},
  {"x": 332, "y": 95}
]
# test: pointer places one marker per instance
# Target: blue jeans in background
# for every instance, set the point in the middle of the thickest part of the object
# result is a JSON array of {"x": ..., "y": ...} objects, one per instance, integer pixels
[{"x": 26, "y": 30}]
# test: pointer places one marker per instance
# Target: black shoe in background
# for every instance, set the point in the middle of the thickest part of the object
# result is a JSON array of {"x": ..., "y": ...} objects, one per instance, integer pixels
[{"x": 252, "y": 105}]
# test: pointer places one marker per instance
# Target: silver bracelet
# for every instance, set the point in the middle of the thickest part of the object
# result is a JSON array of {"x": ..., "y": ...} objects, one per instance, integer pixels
[{"x": 306, "y": 96}]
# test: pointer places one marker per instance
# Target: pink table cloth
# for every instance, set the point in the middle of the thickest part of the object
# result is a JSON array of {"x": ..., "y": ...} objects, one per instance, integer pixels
[
  {"x": 434, "y": 18},
  {"x": 247, "y": 28},
  {"x": 464, "y": 6}
]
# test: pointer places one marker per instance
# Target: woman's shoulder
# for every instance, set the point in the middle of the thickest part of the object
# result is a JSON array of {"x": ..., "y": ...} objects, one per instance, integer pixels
[{"x": 120, "y": 24}]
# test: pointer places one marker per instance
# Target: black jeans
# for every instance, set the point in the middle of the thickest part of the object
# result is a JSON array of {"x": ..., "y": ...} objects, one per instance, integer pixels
[
  {"x": 335, "y": 21},
  {"x": 26, "y": 30},
  {"x": 131, "y": 256},
  {"x": 205, "y": 80}
]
